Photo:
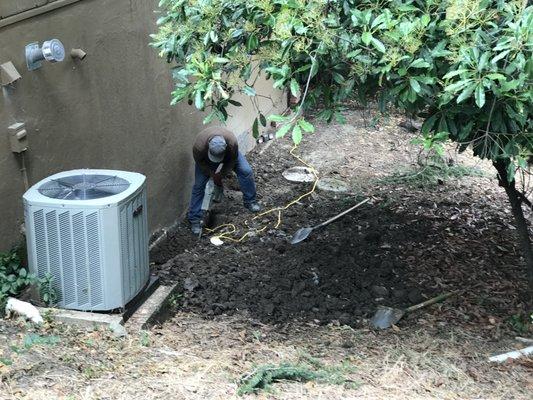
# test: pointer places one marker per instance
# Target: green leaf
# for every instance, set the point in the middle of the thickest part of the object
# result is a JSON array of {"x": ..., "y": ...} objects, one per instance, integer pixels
[
  {"x": 338, "y": 78},
  {"x": 6, "y": 361},
  {"x": 354, "y": 53},
  {"x": 378, "y": 45},
  {"x": 500, "y": 56},
  {"x": 283, "y": 130},
  {"x": 306, "y": 126},
  {"x": 262, "y": 119},
  {"x": 454, "y": 87},
  {"x": 253, "y": 42},
  {"x": 236, "y": 33},
  {"x": 480, "y": 96},
  {"x": 483, "y": 61},
  {"x": 378, "y": 20},
  {"x": 34, "y": 339},
  {"x": 366, "y": 37},
  {"x": 496, "y": 77},
  {"x": 411, "y": 96},
  {"x": 221, "y": 60},
  {"x": 199, "y": 100},
  {"x": 466, "y": 93},
  {"x": 255, "y": 128},
  {"x": 276, "y": 118},
  {"x": 428, "y": 124},
  {"x": 451, "y": 74},
  {"x": 235, "y": 103},
  {"x": 249, "y": 91},
  {"x": 222, "y": 92},
  {"x": 419, "y": 63},
  {"x": 295, "y": 88},
  {"x": 297, "y": 134},
  {"x": 414, "y": 84}
]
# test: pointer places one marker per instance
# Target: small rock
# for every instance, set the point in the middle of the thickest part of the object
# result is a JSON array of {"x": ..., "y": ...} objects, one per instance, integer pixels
[
  {"x": 191, "y": 283},
  {"x": 345, "y": 319},
  {"x": 399, "y": 293},
  {"x": 118, "y": 330},
  {"x": 380, "y": 291},
  {"x": 269, "y": 309}
]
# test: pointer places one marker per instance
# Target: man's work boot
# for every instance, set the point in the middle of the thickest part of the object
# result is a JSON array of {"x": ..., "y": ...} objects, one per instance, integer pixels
[
  {"x": 196, "y": 228},
  {"x": 253, "y": 207}
]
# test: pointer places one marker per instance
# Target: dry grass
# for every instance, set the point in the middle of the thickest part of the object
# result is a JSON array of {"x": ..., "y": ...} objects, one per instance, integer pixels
[{"x": 192, "y": 358}]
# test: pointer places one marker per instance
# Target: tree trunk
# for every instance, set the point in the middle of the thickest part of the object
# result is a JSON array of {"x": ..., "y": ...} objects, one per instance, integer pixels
[{"x": 521, "y": 224}]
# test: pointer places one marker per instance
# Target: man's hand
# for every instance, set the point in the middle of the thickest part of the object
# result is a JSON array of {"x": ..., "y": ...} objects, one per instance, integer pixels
[{"x": 217, "y": 178}]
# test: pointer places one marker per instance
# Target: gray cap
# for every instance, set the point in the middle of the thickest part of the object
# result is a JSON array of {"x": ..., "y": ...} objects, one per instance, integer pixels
[{"x": 217, "y": 149}]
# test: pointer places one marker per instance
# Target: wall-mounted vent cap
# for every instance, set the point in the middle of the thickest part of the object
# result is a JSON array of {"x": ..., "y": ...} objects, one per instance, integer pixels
[{"x": 51, "y": 50}]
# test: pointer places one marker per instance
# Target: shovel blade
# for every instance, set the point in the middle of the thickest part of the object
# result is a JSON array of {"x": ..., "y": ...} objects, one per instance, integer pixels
[
  {"x": 301, "y": 235},
  {"x": 385, "y": 317}
]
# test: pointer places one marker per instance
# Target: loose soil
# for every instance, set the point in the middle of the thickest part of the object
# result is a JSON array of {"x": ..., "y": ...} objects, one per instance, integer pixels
[
  {"x": 263, "y": 301},
  {"x": 408, "y": 244}
]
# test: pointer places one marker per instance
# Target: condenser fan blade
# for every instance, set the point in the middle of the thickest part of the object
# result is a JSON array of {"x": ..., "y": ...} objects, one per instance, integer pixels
[{"x": 84, "y": 187}]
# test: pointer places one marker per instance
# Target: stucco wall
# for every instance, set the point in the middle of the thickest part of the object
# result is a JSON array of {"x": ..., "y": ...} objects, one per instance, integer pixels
[
  {"x": 11, "y": 7},
  {"x": 110, "y": 110}
]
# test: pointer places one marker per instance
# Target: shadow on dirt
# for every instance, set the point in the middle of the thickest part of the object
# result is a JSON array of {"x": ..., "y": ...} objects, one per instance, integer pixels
[{"x": 341, "y": 273}]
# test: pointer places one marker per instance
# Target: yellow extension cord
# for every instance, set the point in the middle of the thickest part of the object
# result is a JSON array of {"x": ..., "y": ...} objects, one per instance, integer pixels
[{"x": 227, "y": 235}]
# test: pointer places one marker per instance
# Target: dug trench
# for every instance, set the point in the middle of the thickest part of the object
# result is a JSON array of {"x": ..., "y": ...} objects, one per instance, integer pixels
[{"x": 404, "y": 246}]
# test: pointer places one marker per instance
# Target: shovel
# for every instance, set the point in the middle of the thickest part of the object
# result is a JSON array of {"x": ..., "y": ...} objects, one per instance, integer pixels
[
  {"x": 385, "y": 317},
  {"x": 303, "y": 233}
]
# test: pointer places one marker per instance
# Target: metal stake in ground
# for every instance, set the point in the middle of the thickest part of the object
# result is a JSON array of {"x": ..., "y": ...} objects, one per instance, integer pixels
[{"x": 303, "y": 233}]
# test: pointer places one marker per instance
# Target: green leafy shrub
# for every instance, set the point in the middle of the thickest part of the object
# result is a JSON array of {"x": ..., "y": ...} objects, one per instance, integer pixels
[
  {"x": 464, "y": 66},
  {"x": 13, "y": 276}
]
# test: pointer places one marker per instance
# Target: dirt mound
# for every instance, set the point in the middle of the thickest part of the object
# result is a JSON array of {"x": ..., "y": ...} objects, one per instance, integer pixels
[
  {"x": 340, "y": 273},
  {"x": 408, "y": 244}
]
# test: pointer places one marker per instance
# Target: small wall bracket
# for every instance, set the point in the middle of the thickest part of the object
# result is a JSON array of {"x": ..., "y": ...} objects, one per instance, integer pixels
[
  {"x": 18, "y": 137},
  {"x": 8, "y": 74}
]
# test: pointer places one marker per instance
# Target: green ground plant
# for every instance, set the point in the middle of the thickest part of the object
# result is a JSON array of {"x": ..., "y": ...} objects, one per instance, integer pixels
[
  {"x": 306, "y": 369},
  {"x": 433, "y": 170},
  {"x": 13, "y": 276}
]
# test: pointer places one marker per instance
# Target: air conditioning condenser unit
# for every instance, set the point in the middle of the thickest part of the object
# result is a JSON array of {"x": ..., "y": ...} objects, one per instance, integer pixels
[{"x": 88, "y": 230}]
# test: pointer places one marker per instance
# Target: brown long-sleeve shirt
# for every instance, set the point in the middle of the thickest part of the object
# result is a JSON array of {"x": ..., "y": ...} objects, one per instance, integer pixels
[{"x": 201, "y": 148}]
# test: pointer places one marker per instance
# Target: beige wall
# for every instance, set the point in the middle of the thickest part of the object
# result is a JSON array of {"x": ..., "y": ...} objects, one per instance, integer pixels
[
  {"x": 110, "y": 110},
  {"x": 11, "y": 7}
]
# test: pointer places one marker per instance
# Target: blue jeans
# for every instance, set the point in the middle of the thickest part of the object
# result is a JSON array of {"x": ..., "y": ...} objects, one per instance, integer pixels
[{"x": 246, "y": 182}]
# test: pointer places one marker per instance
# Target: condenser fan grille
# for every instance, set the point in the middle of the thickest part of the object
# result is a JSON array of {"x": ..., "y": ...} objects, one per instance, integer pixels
[{"x": 84, "y": 187}]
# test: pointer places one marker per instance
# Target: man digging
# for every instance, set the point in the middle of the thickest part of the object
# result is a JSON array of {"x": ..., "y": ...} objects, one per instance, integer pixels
[{"x": 214, "y": 146}]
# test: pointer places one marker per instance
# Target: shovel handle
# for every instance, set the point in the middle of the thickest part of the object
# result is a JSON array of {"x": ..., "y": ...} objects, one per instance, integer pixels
[
  {"x": 336, "y": 217},
  {"x": 429, "y": 302}
]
